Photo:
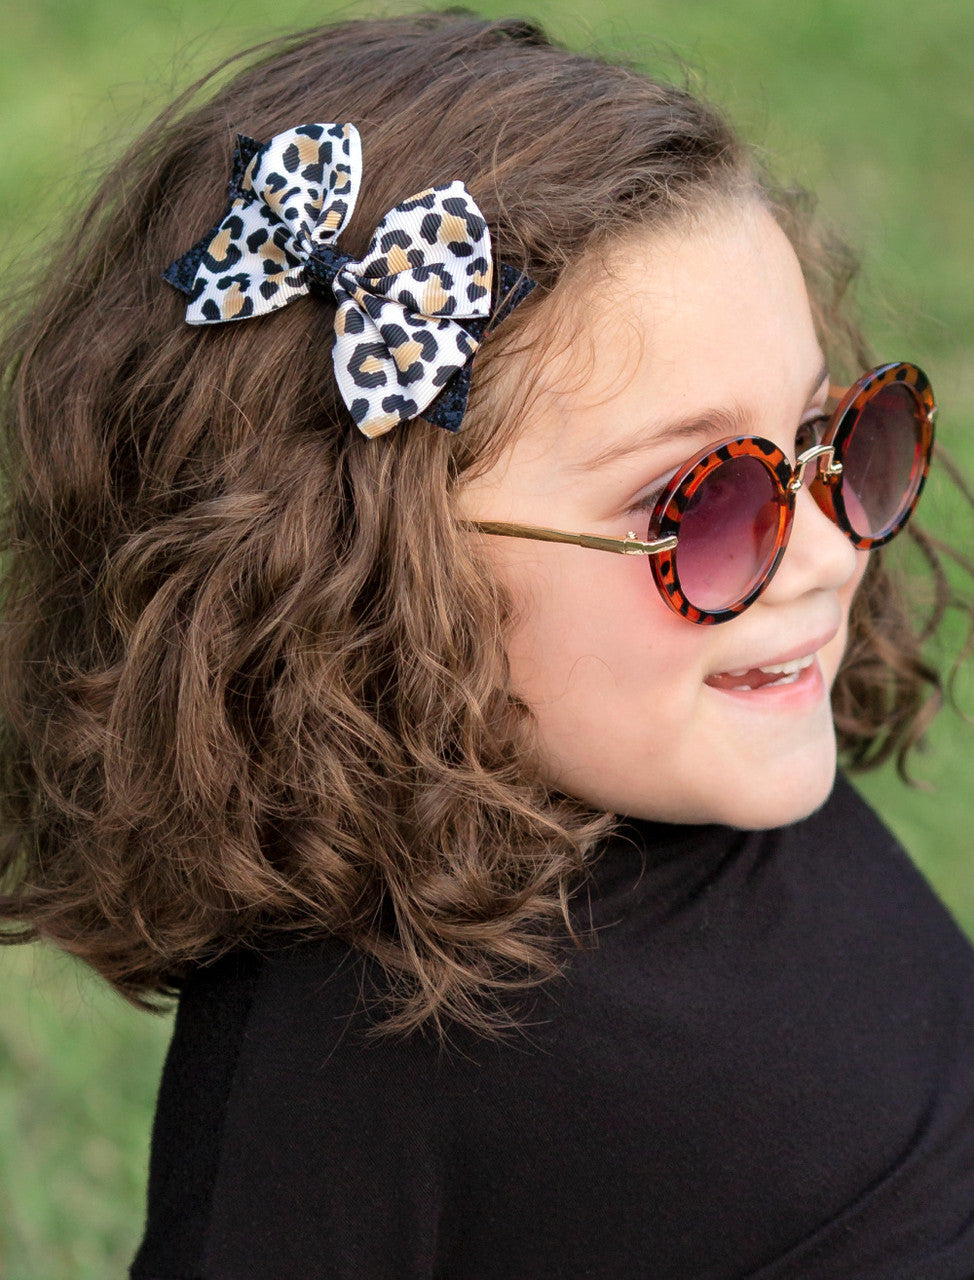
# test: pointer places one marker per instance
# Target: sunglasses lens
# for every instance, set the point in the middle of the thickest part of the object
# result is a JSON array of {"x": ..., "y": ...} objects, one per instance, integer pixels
[
  {"x": 882, "y": 461},
  {"x": 728, "y": 534}
]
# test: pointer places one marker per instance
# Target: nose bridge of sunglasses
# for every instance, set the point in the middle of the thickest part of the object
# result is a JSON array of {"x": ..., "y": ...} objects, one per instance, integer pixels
[{"x": 814, "y": 456}]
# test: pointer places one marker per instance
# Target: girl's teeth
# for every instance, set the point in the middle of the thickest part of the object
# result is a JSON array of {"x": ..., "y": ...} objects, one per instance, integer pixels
[{"x": 784, "y": 668}]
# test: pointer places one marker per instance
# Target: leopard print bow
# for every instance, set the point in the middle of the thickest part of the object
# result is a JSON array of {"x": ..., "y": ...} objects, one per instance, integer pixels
[{"x": 399, "y": 339}]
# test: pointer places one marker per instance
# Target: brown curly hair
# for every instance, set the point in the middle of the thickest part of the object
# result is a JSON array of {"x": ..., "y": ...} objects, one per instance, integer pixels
[{"x": 252, "y": 680}]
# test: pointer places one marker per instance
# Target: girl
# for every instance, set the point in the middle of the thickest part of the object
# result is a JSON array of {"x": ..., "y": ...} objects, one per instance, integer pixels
[{"x": 439, "y": 574}]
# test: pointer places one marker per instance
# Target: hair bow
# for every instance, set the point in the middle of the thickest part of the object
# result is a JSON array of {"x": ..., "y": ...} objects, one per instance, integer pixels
[{"x": 410, "y": 314}]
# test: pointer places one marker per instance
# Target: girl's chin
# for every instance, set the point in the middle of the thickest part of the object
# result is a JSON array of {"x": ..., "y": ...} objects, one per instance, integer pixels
[
  {"x": 781, "y": 797},
  {"x": 755, "y": 794},
  {"x": 781, "y": 812},
  {"x": 761, "y": 801}
]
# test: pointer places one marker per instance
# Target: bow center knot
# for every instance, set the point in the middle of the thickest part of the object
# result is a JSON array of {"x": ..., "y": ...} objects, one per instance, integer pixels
[{"x": 324, "y": 264}]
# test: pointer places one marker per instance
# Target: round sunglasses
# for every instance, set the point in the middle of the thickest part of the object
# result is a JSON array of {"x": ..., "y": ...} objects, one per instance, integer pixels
[{"x": 719, "y": 528}]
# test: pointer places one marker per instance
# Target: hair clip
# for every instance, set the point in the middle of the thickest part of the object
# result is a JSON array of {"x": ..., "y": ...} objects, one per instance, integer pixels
[{"x": 410, "y": 314}]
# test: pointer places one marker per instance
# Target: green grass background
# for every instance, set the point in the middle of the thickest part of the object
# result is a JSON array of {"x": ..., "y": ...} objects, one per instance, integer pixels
[{"x": 867, "y": 102}]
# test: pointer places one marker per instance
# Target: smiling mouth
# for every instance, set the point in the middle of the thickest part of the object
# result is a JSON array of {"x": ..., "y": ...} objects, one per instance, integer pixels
[{"x": 743, "y": 679}]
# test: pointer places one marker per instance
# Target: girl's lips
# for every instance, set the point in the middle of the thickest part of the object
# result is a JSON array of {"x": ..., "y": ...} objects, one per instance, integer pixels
[
  {"x": 765, "y": 689},
  {"x": 747, "y": 678}
]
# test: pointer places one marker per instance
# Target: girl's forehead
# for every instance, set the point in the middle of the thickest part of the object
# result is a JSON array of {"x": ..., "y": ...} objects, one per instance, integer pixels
[{"x": 709, "y": 313}]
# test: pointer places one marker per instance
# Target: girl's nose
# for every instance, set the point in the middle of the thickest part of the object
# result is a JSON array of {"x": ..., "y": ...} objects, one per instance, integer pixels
[{"x": 819, "y": 556}]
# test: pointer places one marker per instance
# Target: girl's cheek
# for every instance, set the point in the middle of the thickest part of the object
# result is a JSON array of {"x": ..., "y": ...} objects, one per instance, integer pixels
[
  {"x": 834, "y": 653},
  {"x": 862, "y": 564}
]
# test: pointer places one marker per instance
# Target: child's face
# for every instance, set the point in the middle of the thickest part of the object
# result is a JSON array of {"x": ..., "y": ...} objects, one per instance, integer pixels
[{"x": 702, "y": 321}]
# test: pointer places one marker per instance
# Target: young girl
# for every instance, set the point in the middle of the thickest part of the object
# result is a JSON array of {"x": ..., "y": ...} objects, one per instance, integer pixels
[{"x": 439, "y": 573}]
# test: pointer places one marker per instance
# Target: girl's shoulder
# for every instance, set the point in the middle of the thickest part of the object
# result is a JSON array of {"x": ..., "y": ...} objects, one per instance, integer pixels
[{"x": 765, "y": 1039}]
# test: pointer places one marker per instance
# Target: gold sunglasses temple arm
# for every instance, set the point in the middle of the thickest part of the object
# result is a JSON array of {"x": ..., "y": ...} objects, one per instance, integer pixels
[{"x": 630, "y": 546}]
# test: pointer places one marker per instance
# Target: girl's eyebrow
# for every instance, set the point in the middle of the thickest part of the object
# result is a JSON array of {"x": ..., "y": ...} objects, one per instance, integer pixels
[{"x": 734, "y": 422}]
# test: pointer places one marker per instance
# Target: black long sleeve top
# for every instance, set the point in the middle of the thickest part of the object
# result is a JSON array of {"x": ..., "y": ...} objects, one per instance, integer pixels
[{"x": 764, "y": 1069}]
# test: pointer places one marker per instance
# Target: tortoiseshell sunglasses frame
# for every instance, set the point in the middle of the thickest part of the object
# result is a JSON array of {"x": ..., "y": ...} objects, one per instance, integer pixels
[{"x": 825, "y": 487}]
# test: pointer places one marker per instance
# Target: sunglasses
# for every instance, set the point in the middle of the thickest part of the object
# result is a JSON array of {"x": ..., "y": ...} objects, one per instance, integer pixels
[{"x": 718, "y": 530}]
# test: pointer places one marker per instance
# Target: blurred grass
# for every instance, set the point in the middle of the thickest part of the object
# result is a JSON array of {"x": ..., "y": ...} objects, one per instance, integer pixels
[
  {"x": 78, "y": 1075},
  {"x": 866, "y": 102}
]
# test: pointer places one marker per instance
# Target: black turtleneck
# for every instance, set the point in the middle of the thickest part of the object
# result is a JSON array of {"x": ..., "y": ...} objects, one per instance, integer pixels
[{"x": 764, "y": 1069}]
